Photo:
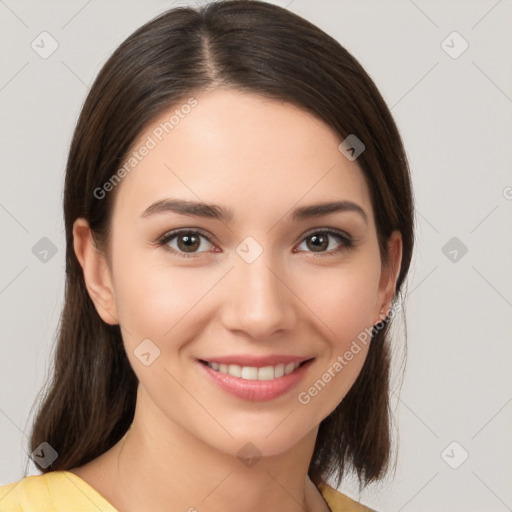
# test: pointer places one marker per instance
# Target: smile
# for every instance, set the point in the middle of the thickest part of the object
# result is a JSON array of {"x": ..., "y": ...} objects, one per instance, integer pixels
[
  {"x": 254, "y": 373},
  {"x": 255, "y": 383}
]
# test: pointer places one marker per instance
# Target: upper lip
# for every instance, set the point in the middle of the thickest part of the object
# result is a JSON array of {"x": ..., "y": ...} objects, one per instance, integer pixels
[{"x": 256, "y": 361}]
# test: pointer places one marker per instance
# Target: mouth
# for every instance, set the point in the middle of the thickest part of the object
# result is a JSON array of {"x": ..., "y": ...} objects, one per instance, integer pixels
[
  {"x": 269, "y": 372},
  {"x": 255, "y": 380}
]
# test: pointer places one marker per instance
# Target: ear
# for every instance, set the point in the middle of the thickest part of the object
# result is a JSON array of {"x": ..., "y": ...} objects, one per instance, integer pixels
[
  {"x": 97, "y": 276},
  {"x": 389, "y": 276}
]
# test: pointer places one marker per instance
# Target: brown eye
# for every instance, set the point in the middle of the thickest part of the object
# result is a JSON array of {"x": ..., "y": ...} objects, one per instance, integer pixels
[
  {"x": 320, "y": 242},
  {"x": 186, "y": 242}
]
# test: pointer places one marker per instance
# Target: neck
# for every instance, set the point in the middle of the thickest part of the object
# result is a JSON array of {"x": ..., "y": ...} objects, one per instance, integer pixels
[{"x": 160, "y": 466}]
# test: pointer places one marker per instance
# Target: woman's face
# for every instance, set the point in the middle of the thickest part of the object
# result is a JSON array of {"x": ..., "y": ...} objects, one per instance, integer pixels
[{"x": 261, "y": 280}]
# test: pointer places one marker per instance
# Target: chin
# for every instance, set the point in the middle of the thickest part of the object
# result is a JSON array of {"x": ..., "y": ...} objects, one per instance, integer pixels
[{"x": 259, "y": 442}]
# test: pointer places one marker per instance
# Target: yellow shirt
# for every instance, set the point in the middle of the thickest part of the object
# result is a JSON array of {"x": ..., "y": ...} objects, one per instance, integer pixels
[{"x": 62, "y": 491}]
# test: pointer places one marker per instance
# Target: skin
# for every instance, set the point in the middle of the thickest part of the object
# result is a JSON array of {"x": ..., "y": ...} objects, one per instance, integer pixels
[{"x": 260, "y": 158}]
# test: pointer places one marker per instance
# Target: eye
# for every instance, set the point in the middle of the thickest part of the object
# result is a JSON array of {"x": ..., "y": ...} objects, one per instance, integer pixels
[
  {"x": 185, "y": 242},
  {"x": 319, "y": 242}
]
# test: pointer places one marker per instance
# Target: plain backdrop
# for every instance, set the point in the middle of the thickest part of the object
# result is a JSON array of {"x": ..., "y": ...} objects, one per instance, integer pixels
[{"x": 453, "y": 106}]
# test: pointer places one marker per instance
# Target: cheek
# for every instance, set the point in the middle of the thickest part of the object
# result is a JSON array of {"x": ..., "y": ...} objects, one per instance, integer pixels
[
  {"x": 343, "y": 298},
  {"x": 352, "y": 312},
  {"x": 155, "y": 298},
  {"x": 343, "y": 301}
]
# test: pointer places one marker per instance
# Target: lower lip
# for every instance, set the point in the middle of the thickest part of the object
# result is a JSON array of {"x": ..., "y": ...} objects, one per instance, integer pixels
[{"x": 256, "y": 390}]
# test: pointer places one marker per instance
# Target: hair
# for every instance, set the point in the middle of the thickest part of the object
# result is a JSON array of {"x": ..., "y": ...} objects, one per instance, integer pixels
[{"x": 256, "y": 47}]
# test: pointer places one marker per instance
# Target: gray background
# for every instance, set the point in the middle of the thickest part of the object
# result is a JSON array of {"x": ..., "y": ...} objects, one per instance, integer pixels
[{"x": 455, "y": 116}]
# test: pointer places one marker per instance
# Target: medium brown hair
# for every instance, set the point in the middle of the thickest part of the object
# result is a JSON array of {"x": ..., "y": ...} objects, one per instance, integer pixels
[{"x": 252, "y": 46}]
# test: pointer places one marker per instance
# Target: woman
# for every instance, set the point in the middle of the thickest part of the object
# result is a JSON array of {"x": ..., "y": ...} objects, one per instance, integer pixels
[{"x": 239, "y": 225}]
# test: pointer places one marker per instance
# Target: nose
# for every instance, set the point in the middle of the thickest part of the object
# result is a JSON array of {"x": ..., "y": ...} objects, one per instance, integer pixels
[{"x": 259, "y": 301}]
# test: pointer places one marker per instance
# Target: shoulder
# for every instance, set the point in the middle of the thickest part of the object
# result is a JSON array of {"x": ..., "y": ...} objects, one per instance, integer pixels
[
  {"x": 29, "y": 493},
  {"x": 339, "y": 502},
  {"x": 56, "y": 491}
]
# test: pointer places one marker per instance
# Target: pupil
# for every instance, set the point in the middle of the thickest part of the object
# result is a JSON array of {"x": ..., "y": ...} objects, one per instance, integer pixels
[
  {"x": 190, "y": 242},
  {"x": 323, "y": 242}
]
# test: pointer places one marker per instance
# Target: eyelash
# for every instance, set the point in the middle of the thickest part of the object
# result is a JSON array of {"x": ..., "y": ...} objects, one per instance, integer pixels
[{"x": 346, "y": 242}]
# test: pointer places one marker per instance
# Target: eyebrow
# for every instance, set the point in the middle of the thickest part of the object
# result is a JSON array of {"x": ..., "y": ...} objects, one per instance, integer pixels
[{"x": 213, "y": 211}]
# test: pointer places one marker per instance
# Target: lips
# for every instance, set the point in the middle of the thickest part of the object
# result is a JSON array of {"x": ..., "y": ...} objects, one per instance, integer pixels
[{"x": 256, "y": 378}]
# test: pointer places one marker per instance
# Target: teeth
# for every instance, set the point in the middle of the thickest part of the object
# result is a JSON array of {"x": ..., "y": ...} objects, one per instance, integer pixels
[
  {"x": 235, "y": 370},
  {"x": 253, "y": 373},
  {"x": 289, "y": 368},
  {"x": 266, "y": 373},
  {"x": 248, "y": 372}
]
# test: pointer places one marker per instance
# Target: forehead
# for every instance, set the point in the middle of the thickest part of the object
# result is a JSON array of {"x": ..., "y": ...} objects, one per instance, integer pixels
[{"x": 242, "y": 150}]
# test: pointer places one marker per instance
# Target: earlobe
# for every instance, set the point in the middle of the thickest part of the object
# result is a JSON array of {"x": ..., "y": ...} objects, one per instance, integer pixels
[{"x": 95, "y": 271}]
